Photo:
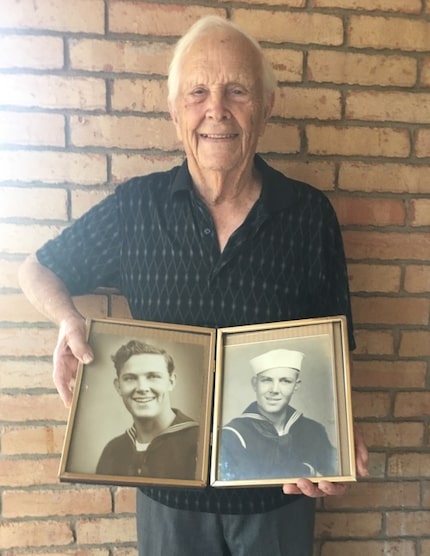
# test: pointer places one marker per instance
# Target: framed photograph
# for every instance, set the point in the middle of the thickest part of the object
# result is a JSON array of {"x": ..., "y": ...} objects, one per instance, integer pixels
[
  {"x": 141, "y": 412},
  {"x": 282, "y": 404}
]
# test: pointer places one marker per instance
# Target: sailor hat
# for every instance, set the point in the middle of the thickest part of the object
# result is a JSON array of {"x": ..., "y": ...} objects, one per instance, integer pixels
[{"x": 277, "y": 358}]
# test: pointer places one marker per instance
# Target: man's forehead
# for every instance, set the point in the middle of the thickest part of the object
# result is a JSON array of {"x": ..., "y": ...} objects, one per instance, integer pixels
[
  {"x": 146, "y": 362},
  {"x": 224, "y": 53},
  {"x": 279, "y": 372}
]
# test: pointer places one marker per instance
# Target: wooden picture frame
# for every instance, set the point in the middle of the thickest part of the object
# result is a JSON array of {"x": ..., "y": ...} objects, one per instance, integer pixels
[{"x": 219, "y": 377}]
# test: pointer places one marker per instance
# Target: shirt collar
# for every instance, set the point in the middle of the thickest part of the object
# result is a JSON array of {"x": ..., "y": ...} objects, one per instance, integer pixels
[{"x": 278, "y": 191}]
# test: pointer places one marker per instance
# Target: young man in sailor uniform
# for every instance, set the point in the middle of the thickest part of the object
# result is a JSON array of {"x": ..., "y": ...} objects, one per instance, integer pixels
[{"x": 271, "y": 439}]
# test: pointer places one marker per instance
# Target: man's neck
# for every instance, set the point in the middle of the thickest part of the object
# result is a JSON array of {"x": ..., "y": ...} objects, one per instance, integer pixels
[{"x": 149, "y": 428}]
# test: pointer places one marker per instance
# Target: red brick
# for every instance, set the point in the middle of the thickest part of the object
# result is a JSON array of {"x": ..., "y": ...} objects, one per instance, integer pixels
[
  {"x": 120, "y": 56},
  {"x": 422, "y": 143},
  {"x": 98, "y": 531},
  {"x": 52, "y": 91},
  {"x": 25, "y": 407},
  {"x": 30, "y": 342},
  {"x": 140, "y": 95},
  {"x": 374, "y": 277},
  {"x": 64, "y": 552},
  {"x": 86, "y": 16},
  {"x": 333, "y": 524},
  {"x": 371, "y": 404},
  {"x": 387, "y": 246},
  {"x": 393, "y": 435},
  {"x": 408, "y": 464},
  {"x": 370, "y": 548},
  {"x": 425, "y": 73},
  {"x": 320, "y": 174},
  {"x": 361, "y": 69},
  {"x": 52, "y": 167},
  {"x": 45, "y": 439},
  {"x": 127, "y": 132},
  {"x": 294, "y": 27},
  {"x": 18, "y": 51},
  {"x": 389, "y": 374},
  {"x": 120, "y": 308},
  {"x": 280, "y": 138},
  {"x": 35, "y": 534},
  {"x": 16, "y": 239},
  {"x": 22, "y": 375},
  {"x": 406, "y": 524},
  {"x": 299, "y": 103},
  {"x": 375, "y": 310},
  {"x": 376, "y": 178},
  {"x": 374, "y": 342},
  {"x": 36, "y": 203},
  {"x": 40, "y": 503},
  {"x": 388, "y": 106},
  {"x": 369, "y": 212},
  {"x": 401, "y": 6},
  {"x": 82, "y": 201},
  {"x": 125, "y": 166},
  {"x": 389, "y": 33},
  {"x": 414, "y": 343},
  {"x": 364, "y": 141},
  {"x": 287, "y": 64},
  {"x": 411, "y": 404},
  {"x": 28, "y": 472},
  {"x": 9, "y": 274},
  {"x": 155, "y": 19},
  {"x": 125, "y": 500},
  {"x": 419, "y": 212},
  {"x": 17, "y": 128},
  {"x": 417, "y": 278},
  {"x": 374, "y": 495}
]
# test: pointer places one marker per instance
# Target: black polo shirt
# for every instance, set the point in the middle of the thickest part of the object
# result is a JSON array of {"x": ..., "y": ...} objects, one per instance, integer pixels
[{"x": 154, "y": 240}]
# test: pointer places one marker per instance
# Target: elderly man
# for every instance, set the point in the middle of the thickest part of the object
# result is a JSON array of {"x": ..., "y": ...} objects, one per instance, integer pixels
[
  {"x": 222, "y": 240},
  {"x": 271, "y": 439},
  {"x": 162, "y": 442}
]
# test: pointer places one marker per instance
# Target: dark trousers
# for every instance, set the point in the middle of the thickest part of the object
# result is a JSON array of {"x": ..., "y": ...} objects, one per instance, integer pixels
[{"x": 162, "y": 531}]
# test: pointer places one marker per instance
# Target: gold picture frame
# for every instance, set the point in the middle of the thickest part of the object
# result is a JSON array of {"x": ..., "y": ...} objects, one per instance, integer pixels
[
  {"x": 250, "y": 451},
  {"x": 214, "y": 400},
  {"x": 100, "y": 430}
]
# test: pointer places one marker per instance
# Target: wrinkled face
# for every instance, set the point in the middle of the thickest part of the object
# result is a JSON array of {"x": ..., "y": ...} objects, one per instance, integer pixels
[
  {"x": 144, "y": 384},
  {"x": 274, "y": 389},
  {"x": 219, "y": 111}
]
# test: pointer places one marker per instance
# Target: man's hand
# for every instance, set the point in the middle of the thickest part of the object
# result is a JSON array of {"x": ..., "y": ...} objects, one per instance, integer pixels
[
  {"x": 71, "y": 348},
  {"x": 326, "y": 488}
]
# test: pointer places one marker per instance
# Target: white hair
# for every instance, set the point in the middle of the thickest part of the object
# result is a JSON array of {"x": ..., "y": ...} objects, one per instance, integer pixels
[{"x": 198, "y": 29}]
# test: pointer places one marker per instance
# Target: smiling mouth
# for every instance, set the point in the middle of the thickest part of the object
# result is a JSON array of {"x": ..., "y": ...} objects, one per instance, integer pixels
[
  {"x": 218, "y": 135},
  {"x": 144, "y": 400}
]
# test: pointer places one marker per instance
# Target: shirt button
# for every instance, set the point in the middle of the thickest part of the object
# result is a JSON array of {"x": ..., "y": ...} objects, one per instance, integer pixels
[{"x": 207, "y": 231}]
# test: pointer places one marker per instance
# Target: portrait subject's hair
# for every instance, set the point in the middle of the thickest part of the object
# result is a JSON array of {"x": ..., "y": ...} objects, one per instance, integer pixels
[
  {"x": 199, "y": 29},
  {"x": 136, "y": 347}
]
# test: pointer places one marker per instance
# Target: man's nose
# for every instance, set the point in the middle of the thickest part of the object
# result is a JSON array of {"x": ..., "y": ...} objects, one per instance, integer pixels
[
  {"x": 142, "y": 383},
  {"x": 217, "y": 108},
  {"x": 275, "y": 385}
]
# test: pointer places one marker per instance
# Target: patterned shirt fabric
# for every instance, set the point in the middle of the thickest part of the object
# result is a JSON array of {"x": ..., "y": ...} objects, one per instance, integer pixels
[
  {"x": 154, "y": 240},
  {"x": 252, "y": 448}
]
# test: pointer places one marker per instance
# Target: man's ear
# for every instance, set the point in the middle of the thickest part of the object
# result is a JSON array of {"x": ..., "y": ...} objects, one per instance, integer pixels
[
  {"x": 298, "y": 384},
  {"x": 174, "y": 115},
  {"x": 116, "y": 384},
  {"x": 172, "y": 380},
  {"x": 254, "y": 382},
  {"x": 267, "y": 112}
]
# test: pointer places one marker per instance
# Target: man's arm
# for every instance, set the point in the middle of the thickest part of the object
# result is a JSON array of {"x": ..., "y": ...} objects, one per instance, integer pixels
[{"x": 49, "y": 295}]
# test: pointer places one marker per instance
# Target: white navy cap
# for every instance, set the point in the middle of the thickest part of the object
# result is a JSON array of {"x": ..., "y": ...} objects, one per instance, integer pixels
[{"x": 277, "y": 358}]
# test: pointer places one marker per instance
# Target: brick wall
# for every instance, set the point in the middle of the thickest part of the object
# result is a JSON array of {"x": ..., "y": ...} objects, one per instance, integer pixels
[{"x": 82, "y": 107}]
